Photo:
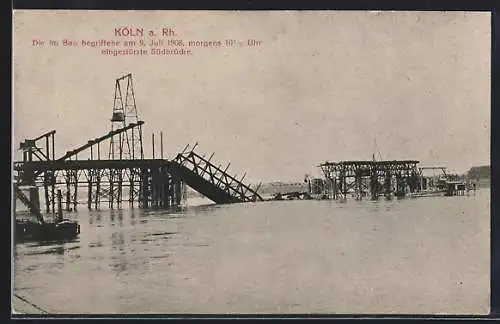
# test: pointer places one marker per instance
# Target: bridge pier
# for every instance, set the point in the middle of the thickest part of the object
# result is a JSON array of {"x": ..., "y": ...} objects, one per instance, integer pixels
[
  {"x": 89, "y": 188},
  {"x": 143, "y": 202},
  {"x": 374, "y": 186},
  {"x": 378, "y": 175},
  {"x": 68, "y": 189},
  {"x": 358, "y": 187},
  {"x": 46, "y": 191},
  {"x": 164, "y": 188},
  {"x": 111, "y": 192},
  {"x": 155, "y": 194},
  {"x": 97, "y": 189},
  {"x": 400, "y": 186},
  {"x": 388, "y": 185},
  {"x": 131, "y": 194},
  {"x": 119, "y": 188},
  {"x": 75, "y": 189},
  {"x": 152, "y": 182}
]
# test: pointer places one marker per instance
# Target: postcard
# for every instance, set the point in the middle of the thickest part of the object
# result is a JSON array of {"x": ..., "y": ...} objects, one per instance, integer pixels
[{"x": 251, "y": 162}]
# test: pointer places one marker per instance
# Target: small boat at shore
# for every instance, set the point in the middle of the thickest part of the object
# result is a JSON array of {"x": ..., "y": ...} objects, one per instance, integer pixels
[
  {"x": 61, "y": 230},
  {"x": 34, "y": 227}
]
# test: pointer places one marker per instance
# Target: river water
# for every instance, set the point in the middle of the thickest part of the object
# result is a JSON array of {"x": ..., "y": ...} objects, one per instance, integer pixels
[{"x": 424, "y": 255}]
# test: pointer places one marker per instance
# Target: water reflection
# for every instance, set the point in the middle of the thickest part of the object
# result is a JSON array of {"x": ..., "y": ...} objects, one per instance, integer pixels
[
  {"x": 206, "y": 208},
  {"x": 124, "y": 242},
  {"x": 97, "y": 243},
  {"x": 51, "y": 243},
  {"x": 119, "y": 258},
  {"x": 143, "y": 256},
  {"x": 117, "y": 241},
  {"x": 166, "y": 234},
  {"x": 120, "y": 217},
  {"x": 133, "y": 216},
  {"x": 157, "y": 237},
  {"x": 59, "y": 249}
]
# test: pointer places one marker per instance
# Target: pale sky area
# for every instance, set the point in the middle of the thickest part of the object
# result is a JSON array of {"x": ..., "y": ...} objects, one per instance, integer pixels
[{"x": 322, "y": 86}]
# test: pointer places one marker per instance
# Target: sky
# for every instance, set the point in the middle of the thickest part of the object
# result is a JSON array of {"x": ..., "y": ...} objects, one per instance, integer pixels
[{"x": 322, "y": 86}]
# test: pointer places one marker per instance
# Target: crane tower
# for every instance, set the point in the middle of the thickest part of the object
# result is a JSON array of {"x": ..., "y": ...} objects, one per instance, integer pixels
[{"x": 126, "y": 145}]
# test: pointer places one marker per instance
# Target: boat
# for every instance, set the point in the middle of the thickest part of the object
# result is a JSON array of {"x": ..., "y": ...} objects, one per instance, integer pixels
[
  {"x": 31, "y": 225},
  {"x": 31, "y": 231}
]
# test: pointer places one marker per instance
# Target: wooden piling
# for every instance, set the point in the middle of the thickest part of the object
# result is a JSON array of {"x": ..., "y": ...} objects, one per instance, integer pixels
[
  {"x": 161, "y": 145},
  {"x": 111, "y": 189},
  {"x": 131, "y": 191},
  {"x": 153, "y": 144},
  {"x": 53, "y": 194},
  {"x": 119, "y": 189},
  {"x": 97, "y": 188},
  {"x": 75, "y": 197},
  {"x": 59, "y": 206},
  {"x": 89, "y": 189},
  {"x": 46, "y": 191}
]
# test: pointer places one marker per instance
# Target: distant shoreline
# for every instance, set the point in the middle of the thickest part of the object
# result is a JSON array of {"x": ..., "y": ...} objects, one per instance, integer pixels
[{"x": 482, "y": 182}]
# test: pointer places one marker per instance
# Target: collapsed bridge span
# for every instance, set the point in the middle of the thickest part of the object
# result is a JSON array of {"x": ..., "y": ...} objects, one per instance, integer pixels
[{"x": 112, "y": 168}]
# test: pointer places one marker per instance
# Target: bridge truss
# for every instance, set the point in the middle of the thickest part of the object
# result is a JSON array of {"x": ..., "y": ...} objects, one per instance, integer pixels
[
  {"x": 371, "y": 178},
  {"x": 112, "y": 169}
]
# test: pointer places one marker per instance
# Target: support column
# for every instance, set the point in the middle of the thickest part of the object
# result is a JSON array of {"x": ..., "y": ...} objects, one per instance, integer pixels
[
  {"x": 178, "y": 192},
  {"x": 357, "y": 181},
  {"x": 46, "y": 191},
  {"x": 374, "y": 185},
  {"x": 111, "y": 189},
  {"x": 59, "y": 206},
  {"x": 34, "y": 197},
  {"x": 89, "y": 189},
  {"x": 400, "y": 186},
  {"x": 68, "y": 190},
  {"x": 131, "y": 194},
  {"x": 388, "y": 184},
  {"x": 145, "y": 188},
  {"x": 168, "y": 190},
  {"x": 75, "y": 196},
  {"x": 53, "y": 191},
  {"x": 154, "y": 187},
  {"x": 334, "y": 187},
  {"x": 97, "y": 188},
  {"x": 164, "y": 189}
]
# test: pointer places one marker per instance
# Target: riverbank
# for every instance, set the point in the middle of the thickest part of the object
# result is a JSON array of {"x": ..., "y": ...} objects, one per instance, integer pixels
[{"x": 483, "y": 182}]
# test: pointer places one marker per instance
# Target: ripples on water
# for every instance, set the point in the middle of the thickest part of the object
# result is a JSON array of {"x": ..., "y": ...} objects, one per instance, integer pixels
[{"x": 426, "y": 255}]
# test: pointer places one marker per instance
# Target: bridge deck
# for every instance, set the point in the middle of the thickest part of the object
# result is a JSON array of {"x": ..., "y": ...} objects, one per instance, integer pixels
[
  {"x": 222, "y": 189},
  {"x": 89, "y": 164}
]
